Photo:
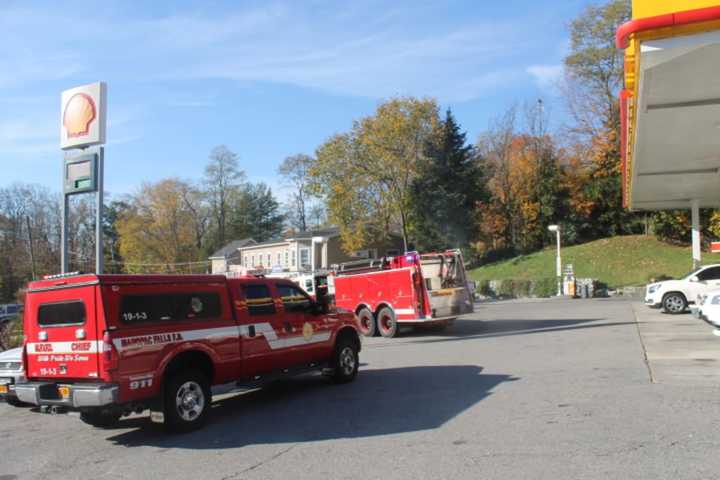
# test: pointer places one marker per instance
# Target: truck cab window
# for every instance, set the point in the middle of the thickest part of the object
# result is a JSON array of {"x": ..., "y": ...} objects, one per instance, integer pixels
[
  {"x": 259, "y": 299},
  {"x": 294, "y": 299}
]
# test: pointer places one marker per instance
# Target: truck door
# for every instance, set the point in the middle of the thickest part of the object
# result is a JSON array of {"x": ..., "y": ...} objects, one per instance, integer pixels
[
  {"x": 261, "y": 328},
  {"x": 61, "y": 329},
  {"x": 310, "y": 331}
]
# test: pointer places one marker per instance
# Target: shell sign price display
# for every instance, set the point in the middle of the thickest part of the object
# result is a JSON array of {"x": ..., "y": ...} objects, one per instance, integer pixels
[{"x": 83, "y": 116}]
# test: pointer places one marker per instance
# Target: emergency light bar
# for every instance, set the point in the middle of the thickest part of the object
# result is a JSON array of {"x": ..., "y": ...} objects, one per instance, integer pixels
[{"x": 61, "y": 275}]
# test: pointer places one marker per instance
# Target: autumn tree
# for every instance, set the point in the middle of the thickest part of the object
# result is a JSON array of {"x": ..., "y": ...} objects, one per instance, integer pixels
[
  {"x": 158, "y": 228},
  {"x": 446, "y": 190},
  {"x": 222, "y": 182},
  {"x": 367, "y": 174},
  {"x": 524, "y": 183},
  {"x": 594, "y": 71}
]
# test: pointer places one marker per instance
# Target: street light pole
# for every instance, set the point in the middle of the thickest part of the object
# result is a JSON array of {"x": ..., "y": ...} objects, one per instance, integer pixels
[{"x": 558, "y": 262}]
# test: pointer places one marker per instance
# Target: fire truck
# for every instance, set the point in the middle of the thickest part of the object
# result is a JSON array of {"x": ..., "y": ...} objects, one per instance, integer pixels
[
  {"x": 110, "y": 345},
  {"x": 412, "y": 289}
]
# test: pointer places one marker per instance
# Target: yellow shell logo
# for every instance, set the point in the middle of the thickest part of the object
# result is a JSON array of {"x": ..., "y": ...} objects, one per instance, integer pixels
[
  {"x": 79, "y": 113},
  {"x": 307, "y": 331}
]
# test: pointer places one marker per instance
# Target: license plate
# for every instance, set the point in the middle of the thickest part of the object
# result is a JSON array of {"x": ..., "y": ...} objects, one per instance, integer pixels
[
  {"x": 64, "y": 392},
  {"x": 3, "y": 389}
]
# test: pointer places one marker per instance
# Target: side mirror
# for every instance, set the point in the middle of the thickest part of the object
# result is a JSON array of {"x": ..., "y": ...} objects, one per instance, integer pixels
[
  {"x": 694, "y": 278},
  {"x": 313, "y": 308}
]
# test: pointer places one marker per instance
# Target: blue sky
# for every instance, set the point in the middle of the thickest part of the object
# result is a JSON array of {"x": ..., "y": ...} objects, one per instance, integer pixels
[{"x": 266, "y": 78}]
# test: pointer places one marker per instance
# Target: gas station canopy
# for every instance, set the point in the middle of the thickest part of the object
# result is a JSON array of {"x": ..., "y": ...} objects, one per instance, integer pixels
[{"x": 670, "y": 107}]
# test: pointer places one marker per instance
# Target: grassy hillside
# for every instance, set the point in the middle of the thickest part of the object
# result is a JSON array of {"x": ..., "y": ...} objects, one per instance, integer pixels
[{"x": 617, "y": 261}]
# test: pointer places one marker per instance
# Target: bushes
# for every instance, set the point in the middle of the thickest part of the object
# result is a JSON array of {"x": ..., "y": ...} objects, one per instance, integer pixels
[
  {"x": 658, "y": 277},
  {"x": 484, "y": 289},
  {"x": 523, "y": 288},
  {"x": 508, "y": 288},
  {"x": 545, "y": 287}
]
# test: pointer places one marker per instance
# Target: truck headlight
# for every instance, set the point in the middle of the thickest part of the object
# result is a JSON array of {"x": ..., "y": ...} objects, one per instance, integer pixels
[
  {"x": 653, "y": 288},
  {"x": 716, "y": 300}
]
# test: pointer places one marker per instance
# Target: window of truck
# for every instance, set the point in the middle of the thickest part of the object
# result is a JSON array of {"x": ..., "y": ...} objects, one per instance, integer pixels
[
  {"x": 259, "y": 299},
  {"x": 442, "y": 271},
  {"x": 62, "y": 313},
  {"x": 169, "y": 307},
  {"x": 294, "y": 299}
]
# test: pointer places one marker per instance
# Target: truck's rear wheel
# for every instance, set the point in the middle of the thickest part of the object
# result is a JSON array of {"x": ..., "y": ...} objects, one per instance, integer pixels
[
  {"x": 366, "y": 322},
  {"x": 187, "y": 401},
  {"x": 387, "y": 323},
  {"x": 101, "y": 418},
  {"x": 345, "y": 361}
]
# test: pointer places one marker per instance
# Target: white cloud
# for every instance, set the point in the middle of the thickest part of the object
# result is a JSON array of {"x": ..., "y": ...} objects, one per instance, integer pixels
[
  {"x": 371, "y": 51},
  {"x": 546, "y": 76}
]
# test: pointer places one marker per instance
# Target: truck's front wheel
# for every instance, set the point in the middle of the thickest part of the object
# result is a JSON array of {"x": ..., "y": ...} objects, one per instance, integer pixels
[
  {"x": 187, "y": 401},
  {"x": 346, "y": 361}
]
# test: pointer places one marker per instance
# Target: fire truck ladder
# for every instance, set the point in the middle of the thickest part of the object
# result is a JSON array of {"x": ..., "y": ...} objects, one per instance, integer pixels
[{"x": 361, "y": 266}]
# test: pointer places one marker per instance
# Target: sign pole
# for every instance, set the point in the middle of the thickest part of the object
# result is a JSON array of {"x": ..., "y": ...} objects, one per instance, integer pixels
[
  {"x": 64, "y": 234},
  {"x": 82, "y": 125},
  {"x": 99, "y": 260}
]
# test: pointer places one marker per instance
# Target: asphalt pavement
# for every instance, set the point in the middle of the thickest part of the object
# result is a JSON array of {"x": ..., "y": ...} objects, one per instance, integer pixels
[{"x": 538, "y": 389}]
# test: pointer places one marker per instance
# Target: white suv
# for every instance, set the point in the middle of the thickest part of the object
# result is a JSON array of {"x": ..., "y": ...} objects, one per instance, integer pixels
[{"x": 674, "y": 296}]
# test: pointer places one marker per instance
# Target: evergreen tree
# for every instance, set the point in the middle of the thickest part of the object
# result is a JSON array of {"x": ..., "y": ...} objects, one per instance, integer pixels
[
  {"x": 445, "y": 193},
  {"x": 257, "y": 214}
]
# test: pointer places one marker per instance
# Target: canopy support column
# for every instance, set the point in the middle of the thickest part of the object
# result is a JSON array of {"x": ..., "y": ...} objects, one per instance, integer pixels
[{"x": 695, "y": 214}]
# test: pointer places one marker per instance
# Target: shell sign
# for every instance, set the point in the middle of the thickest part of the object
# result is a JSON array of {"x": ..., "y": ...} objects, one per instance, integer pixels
[{"x": 82, "y": 116}]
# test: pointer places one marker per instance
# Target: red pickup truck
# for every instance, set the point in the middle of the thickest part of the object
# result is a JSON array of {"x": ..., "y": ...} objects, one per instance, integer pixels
[{"x": 111, "y": 345}]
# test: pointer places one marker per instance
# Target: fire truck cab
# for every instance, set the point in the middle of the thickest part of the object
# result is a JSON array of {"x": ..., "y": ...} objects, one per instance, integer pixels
[
  {"x": 412, "y": 289},
  {"x": 111, "y": 345}
]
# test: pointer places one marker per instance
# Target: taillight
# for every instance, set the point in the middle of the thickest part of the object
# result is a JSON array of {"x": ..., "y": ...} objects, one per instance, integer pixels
[
  {"x": 109, "y": 354},
  {"x": 25, "y": 357}
]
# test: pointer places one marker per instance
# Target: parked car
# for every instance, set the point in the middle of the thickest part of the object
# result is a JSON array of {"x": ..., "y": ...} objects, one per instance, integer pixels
[
  {"x": 9, "y": 311},
  {"x": 708, "y": 308},
  {"x": 674, "y": 296},
  {"x": 11, "y": 373}
]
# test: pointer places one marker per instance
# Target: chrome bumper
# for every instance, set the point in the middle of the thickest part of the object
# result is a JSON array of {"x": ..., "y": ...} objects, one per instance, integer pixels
[{"x": 90, "y": 395}]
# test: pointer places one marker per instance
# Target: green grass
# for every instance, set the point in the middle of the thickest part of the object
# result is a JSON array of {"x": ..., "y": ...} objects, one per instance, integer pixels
[{"x": 616, "y": 261}]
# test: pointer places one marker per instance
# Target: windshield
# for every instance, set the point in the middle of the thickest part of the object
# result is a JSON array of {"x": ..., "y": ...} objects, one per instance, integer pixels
[{"x": 692, "y": 272}]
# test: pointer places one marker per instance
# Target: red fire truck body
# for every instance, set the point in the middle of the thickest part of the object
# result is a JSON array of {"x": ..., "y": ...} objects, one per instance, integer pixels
[
  {"x": 108, "y": 345},
  {"x": 411, "y": 289}
]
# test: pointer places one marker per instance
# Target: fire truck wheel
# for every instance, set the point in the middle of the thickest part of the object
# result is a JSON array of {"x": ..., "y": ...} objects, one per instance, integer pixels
[
  {"x": 366, "y": 323},
  {"x": 101, "y": 418},
  {"x": 387, "y": 324},
  {"x": 345, "y": 361},
  {"x": 187, "y": 401}
]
